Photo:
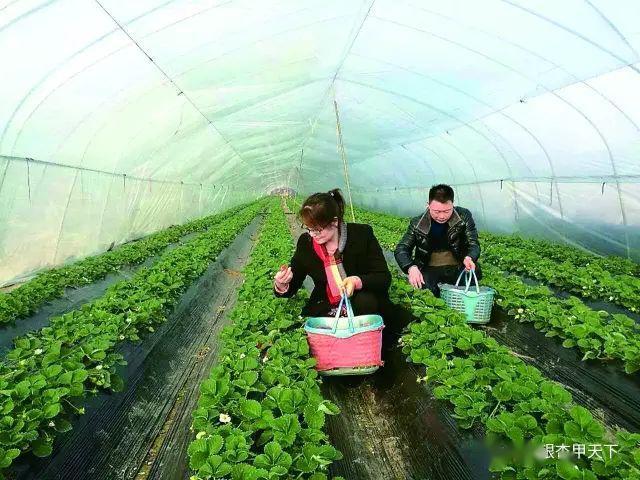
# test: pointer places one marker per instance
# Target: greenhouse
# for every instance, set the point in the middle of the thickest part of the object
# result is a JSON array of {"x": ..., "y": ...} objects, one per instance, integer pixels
[{"x": 337, "y": 240}]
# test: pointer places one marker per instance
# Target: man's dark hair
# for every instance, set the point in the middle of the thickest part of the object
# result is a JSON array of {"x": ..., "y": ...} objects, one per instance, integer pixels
[{"x": 441, "y": 193}]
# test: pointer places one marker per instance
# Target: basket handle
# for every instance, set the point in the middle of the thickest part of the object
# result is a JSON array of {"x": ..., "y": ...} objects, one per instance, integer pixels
[
  {"x": 471, "y": 273},
  {"x": 344, "y": 300}
]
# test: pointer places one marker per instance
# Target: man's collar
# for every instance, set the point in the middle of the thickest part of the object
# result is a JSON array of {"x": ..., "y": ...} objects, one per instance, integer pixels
[{"x": 424, "y": 224}]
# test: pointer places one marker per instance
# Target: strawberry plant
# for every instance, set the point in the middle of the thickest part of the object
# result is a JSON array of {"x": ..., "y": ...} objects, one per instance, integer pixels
[
  {"x": 517, "y": 405},
  {"x": 45, "y": 376},
  {"x": 519, "y": 408},
  {"x": 589, "y": 281},
  {"x": 50, "y": 284},
  {"x": 260, "y": 414},
  {"x": 566, "y": 253},
  {"x": 597, "y": 333}
]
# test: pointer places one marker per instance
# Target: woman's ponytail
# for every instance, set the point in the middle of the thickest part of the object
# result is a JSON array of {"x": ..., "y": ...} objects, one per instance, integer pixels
[
  {"x": 321, "y": 208},
  {"x": 337, "y": 196}
]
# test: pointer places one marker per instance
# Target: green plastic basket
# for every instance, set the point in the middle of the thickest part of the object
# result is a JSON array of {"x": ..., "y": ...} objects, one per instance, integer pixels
[{"x": 476, "y": 305}]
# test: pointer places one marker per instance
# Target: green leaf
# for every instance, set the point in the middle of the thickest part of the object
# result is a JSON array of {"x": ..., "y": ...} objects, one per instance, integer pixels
[
  {"x": 52, "y": 371},
  {"x": 66, "y": 378},
  {"x": 251, "y": 409},
  {"x": 495, "y": 425},
  {"x": 79, "y": 376},
  {"x": 573, "y": 430},
  {"x": 249, "y": 378},
  {"x": 22, "y": 390},
  {"x": 7, "y": 457},
  {"x": 463, "y": 344},
  {"x": 329, "y": 408},
  {"x": 516, "y": 435},
  {"x": 503, "y": 391},
  {"x": 76, "y": 390},
  {"x": 214, "y": 444},
  {"x": 313, "y": 417},
  {"x": 291, "y": 399},
  {"x": 247, "y": 363},
  {"x": 42, "y": 447},
  {"x": 8, "y": 406},
  {"x": 209, "y": 387},
  {"x": 198, "y": 453},
  {"x": 285, "y": 429},
  {"x": 219, "y": 468},
  {"x": 62, "y": 425},
  {"x": 51, "y": 410},
  {"x": 274, "y": 458},
  {"x": 567, "y": 471},
  {"x": 22, "y": 343},
  {"x": 527, "y": 422}
]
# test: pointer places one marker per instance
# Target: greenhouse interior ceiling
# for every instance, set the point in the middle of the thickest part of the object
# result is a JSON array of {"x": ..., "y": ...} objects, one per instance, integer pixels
[{"x": 121, "y": 118}]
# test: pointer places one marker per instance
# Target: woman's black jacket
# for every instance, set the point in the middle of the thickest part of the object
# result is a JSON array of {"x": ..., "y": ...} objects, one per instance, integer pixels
[{"x": 362, "y": 257}]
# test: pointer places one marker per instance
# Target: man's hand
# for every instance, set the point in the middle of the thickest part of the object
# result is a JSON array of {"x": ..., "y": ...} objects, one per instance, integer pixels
[
  {"x": 468, "y": 263},
  {"x": 282, "y": 278},
  {"x": 415, "y": 277},
  {"x": 350, "y": 284}
]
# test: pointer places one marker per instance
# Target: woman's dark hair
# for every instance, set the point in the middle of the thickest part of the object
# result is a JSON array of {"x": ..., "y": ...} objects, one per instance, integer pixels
[
  {"x": 319, "y": 209},
  {"x": 441, "y": 193}
]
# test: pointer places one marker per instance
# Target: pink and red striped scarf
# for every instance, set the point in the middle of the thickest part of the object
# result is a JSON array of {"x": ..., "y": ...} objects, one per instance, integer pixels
[{"x": 333, "y": 268}]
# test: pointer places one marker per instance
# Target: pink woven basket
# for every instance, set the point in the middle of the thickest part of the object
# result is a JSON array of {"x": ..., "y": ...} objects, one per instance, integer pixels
[
  {"x": 346, "y": 345},
  {"x": 360, "y": 350}
]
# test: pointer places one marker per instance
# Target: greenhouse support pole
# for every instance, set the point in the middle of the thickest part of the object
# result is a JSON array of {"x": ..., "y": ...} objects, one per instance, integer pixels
[
  {"x": 299, "y": 172},
  {"x": 344, "y": 158}
]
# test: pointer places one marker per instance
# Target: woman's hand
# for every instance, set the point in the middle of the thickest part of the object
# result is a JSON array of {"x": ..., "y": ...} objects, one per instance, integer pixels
[
  {"x": 350, "y": 284},
  {"x": 283, "y": 278}
]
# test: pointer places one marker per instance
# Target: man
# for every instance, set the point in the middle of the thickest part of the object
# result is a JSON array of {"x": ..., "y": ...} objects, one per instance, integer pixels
[{"x": 445, "y": 240}]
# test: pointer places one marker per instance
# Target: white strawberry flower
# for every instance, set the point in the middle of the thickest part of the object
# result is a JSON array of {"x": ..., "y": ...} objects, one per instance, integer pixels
[
  {"x": 51, "y": 424},
  {"x": 121, "y": 337},
  {"x": 99, "y": 367},
  {"x": 610, "y": 298},
  {"x": 520, "y": 310},
  {"x": 264, "y": 360},
  {"x": 224, "y": 418},
  {"x": 37, "y": 351},
  {"x": 242, "y": 355}
]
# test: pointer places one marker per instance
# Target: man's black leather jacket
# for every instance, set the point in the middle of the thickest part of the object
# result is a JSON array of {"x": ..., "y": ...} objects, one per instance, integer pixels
[{"x": 463, "y": 239}]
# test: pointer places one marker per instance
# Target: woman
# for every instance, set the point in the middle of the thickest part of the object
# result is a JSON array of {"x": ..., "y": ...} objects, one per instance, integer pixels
[{"x": 339, "y": 257}]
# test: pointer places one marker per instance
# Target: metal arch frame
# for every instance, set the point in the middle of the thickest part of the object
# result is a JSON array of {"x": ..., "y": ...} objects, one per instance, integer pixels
[
  {"x": 473, "y": 169},
  {"x": 446, "y": 85},
  {"x": 64, "y": 62},
  {"x": 120, "y": 27},
  {"x": 525, "y": 76},
  {"x": 327, "y": 94},
  {"x": 460, "y": 122}
]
